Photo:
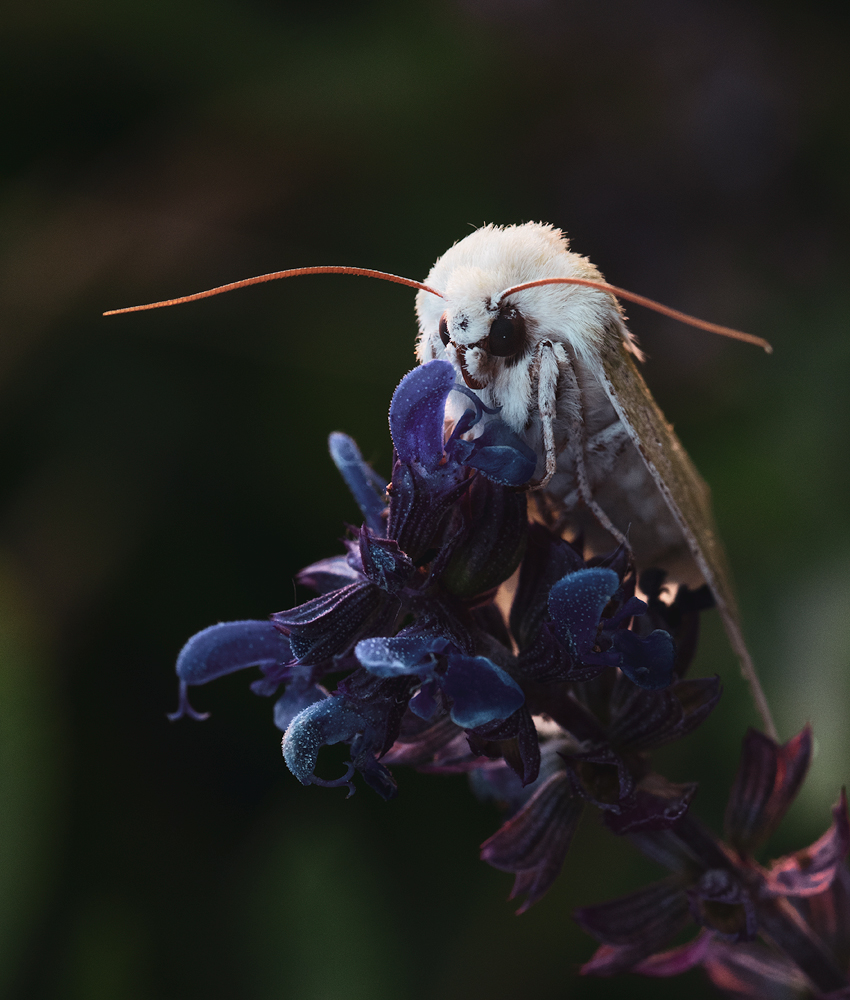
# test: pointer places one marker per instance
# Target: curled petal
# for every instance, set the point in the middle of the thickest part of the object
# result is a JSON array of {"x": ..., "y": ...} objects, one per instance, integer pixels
[
  {"x": 811, "y": 872},
  {"x": 366, "y": 486},
  {"x": 417, "y": 413},
  {"x": 223, "y": 649},
  {"x": 769, "y": 777},
  {"x": 332, "y": 720},
  {"x": 576, "y": 603},
  {"x": 533, "y": 843},
  {"x": 498, "y": 454}
]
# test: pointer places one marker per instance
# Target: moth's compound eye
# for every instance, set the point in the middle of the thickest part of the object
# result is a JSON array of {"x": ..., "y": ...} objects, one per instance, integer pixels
[
  {"x": 444, "y": 330},
  {"x": 507, "y": 334}
]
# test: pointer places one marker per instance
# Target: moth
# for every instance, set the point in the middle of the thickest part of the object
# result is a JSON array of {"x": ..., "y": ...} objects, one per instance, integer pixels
[{"x": 537, "y": 334}]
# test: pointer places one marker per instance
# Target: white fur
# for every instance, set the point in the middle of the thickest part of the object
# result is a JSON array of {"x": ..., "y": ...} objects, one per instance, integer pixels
[{"x": 472, "y": 275}]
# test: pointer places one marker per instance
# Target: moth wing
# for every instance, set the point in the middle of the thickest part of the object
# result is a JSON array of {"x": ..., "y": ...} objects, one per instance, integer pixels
[{"x": 684, "y": 490}]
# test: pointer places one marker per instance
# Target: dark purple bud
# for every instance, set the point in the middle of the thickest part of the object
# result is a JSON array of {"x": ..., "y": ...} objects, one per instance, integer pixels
[
  {"x": 603, "y": 778},
  {"x": 329, "y": 625},
  {"x": 768, "y": 779},
  {"x": 533, "y": 843},
  {"x": 548, "y": 559},
  {"x": 365, "y": 484},
  {"x": 421, "y": 505},
  {"x": 384, "y": 563},
  {"x": 420, "y": 742},
  {"x": 492, "y": 546},
  {"x": 546, "y": 659},
  {"x": 647, "y": 662},
  {"x": 514, "y": 739},
  {"x": 576, "y": 603},
  {"x": 417, "y": 412},
  {"x": 719, "y": 901},
  {"x": 812, "y": 871}
]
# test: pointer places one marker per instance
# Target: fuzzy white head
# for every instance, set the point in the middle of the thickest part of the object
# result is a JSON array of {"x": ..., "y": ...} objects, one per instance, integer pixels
[{"x": 493, "y": 339}]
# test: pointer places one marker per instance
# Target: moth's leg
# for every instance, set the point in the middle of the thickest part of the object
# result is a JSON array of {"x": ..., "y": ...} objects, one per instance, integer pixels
[
  {"x": 548, "y": 373},
  {"x": 576, "y": 438}
]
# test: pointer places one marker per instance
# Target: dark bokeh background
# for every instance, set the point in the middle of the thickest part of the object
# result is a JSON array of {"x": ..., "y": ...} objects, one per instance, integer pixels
[{"x": 167, "y": 470}]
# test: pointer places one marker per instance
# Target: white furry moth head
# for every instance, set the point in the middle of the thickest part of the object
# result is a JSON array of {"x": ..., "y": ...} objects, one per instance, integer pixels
[{"x": 534, "y": 330}]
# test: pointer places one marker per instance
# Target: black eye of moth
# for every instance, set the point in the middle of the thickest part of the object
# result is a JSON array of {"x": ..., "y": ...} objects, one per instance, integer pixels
[
  {"x": 507, "y": 335},
  {"x": 444, "y": 330}
]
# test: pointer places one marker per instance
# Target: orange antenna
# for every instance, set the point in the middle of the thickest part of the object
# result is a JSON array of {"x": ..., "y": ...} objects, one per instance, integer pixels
[
  {"x": 364, "y": 272},
  {"x": 641, "y": 300}
]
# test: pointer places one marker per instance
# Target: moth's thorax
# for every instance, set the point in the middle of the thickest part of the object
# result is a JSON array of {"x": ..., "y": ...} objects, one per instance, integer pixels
[{"x": 472, "y": 277}]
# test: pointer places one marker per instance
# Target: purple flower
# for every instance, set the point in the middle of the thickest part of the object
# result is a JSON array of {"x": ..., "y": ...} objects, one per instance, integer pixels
[{"x": 734, "y": 899}]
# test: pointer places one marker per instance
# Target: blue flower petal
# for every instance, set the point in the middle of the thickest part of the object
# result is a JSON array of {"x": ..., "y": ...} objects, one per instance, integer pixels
[
  {"x": 365, "y": 484},
  {"x": 480, "y": 691},
  {"x": 299, "y": 694},
  {"x": 647, "y": 662},
  {"x": 229, "y": 646},
  {"x": 417, "y": 413},
  {"x": 576, "y": 603},
  {"x": 332, "y": 720},
  {"x": 425, "y": 703},
  {"x": 498, "y": 454},
  {"x": 401, "y": 655}
]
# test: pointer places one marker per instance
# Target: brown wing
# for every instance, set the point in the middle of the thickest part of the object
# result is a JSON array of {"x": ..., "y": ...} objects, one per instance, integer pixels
[{"x": 683, "y": 489}]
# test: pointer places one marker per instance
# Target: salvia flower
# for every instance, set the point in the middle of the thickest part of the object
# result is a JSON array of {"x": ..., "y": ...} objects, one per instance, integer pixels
[
  {"x": 550, "y": 688},
  {"x": 798, "y": 904}
]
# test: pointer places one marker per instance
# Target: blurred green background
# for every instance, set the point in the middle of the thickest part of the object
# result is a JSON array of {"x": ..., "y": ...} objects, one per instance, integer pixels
[{"x": 167, "y": 470}]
